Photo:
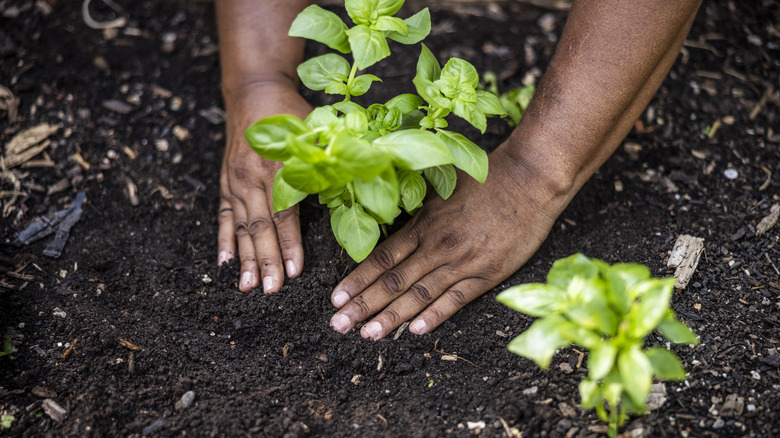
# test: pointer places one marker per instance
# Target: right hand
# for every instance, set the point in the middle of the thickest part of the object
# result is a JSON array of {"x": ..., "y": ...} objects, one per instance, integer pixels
[{"x": 268, "y": 243}]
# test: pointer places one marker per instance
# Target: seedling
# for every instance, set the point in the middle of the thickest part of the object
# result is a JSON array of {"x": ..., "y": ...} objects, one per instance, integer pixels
[
  {"x": 367, "y": 163},
  {"x": 514, "y": 101},
  {"x": 7, "y": 421},
  {"x": 8, "y": 348},
  {"x": 608, "y": 310}
]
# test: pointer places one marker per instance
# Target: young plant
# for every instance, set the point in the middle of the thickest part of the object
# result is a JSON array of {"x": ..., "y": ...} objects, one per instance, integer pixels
[
  {"x": 514, "y": 101},
  {"x": 608, "y": 310},
  {"x": 367, "y": 163}
]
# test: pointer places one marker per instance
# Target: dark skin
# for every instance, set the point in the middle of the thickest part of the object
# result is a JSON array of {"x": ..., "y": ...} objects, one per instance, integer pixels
[{"x": 611, "y": 58}]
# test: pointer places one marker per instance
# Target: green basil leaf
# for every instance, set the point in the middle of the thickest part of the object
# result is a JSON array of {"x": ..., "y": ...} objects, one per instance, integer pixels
[
  {"x": 391, "y": 24},
  {"x": 601, "y": 360},
  {"x": 636, "y": 372},
  {"x": 321, "y": 116},
  {"x": 469, "y": 157},
  {"x": 414, "y": 149},
  {"x": 470, "y": 113},
  {"x": 443, "y": 179},
  {"x": 666, "y": 365},
  {"x": 360, "y": 85},
  {"x": 347, "y": 107},
  {"x": 647, "y": 313},
  {"x": 540, "y": 342},
  {"x": 631, "y": 274},
  {"x": 534, "y": 299},
  {"x": 489, "y": 103},
  {"x": 590, "y": 394},
  {"x": 418, "y": 27},
  {"x": 337, "y": 87},
  {"x": 304, "y": 176},
  {"x": 316, "y": 72},
  {"x": 322, "y": 26},
  {"x": 413, "y": 188},
  {"x": 361, "y": 11},
  {"x": 564, "y": 270},
  {"x": 358, "y": 156},
  {"x": 335, "y": 219},
  {"x": 368, "y": 46},
  {"x": 677, "y": 332},
  {"x": 406, "y": 103},
  {"x": 356, "y": 123},
  {"x": 330, "y": 201},
  {"x": 428, "y": 67},
  {"x": 388, "y": 7},
  {"x": 303, "y": 147},
  {"x": 268, "y": 136},
  {"x": 285, "y": 195},
  {"x": 459, "y": 72},
  {"x": 412, "y": 120},
  {"x": 358, "y": 231},
  {"x": 431, "y": 93},
  {"x": 379, "y": 195}
]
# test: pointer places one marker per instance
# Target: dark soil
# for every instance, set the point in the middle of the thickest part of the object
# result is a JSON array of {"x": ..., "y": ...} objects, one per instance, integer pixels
[{"x": 135, "y": 313}]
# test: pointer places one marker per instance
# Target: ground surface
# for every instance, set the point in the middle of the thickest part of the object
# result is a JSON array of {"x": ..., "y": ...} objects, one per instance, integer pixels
[{"x": 140, "y": 268}]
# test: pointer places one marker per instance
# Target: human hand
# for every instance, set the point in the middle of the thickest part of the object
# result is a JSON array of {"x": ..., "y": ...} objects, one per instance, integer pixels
[
  {"x": 452, "y": 251},
  {"x": 246, "y": 219}
]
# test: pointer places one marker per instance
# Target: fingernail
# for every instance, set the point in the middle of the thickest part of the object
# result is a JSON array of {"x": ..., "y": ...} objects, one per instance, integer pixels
[
  {"x": 340, "y": 323},
  {"x": 268, "y": 284},
  {"x": 291, "y": 268},
  {"x": 340, "y": 298},
  {"x": 246, "y": 279},
  {"x": 418, "y": 327},
  {"x": 372, "y": 330},
  {"x": 223, "y": 257}
]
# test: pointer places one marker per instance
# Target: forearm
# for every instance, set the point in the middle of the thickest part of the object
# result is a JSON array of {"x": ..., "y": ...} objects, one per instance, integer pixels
[
  {"x": 611, "y": 59},
  {"x": 254, "y": 45}
]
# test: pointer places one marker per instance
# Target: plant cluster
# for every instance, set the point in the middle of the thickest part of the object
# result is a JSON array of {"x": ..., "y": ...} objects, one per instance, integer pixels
[
  {"x": 514, "y": 101},
  {"x": 367, "y": 163},
  {"x": 608, "y": 310}
]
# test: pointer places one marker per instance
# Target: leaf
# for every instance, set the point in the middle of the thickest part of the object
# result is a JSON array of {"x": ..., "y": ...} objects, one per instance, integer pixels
[
  {"x": 335, "y": 219},
  {"x": 535, "y": 299},
  {"x": 645, "y": 315},
  {"x": 268, "y": 136},
  {"x": 428, "y": 67},
  {"x": 564, "y": 270},
  {"x": 337, "y": 87},
  {"x": 455, "y": 73},
  {"x": 360, "y": 85},
  {"x": 677, "y": 332},
  {"x": 469, "y": 157},
  {"x": 391, "y": 24},
  {"x": 368, "y": 46},
  {"x": 418, "y": 27},
  {"x": 632, "y": 274},
  {"x": 414, "y": 149},
  {"x": 406, "y": 103},
  {"x": 431, "y": 93},
  {"x": 303, "y": 147},
  {"x": 347, "y": 107},
  {"x": 321, "y": 116},
  {"x": 589, "y": 393},
  {"x": 489, "y": 103},
  {"x": 388, "y": 7},
  {"x": 380, "y": 195},
  {"x": 470, "y": 113},
  {"x": 358, "y": 156},
  {"x": 636, "y": 371},
  {"x": 443, "y": 179},
  {"x": 666, "y": 365},
  {"x": 540, "y": 342},
  {"x": 358, "y": 231},
  {"x": 315, "y": 72},
  {"x": 601, "y": 360},
  {"x": 360, "y": 11},
  {"x": 356, "y": 123},
  {"x": 304, "y": 176},
  {"x": 589, "y": 306},
  {"x": 285, "y": 195},
  {"x": 413, "y": 188},
  {"x": 322, "y": 26}
]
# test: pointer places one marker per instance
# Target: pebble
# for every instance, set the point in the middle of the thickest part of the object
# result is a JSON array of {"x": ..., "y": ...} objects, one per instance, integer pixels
[
  {"x": 718, "y": 424},
  {"x": 185, "y": 401},
  {"x": 731, "y": 173},
  {"x": 157, "y": 424}
]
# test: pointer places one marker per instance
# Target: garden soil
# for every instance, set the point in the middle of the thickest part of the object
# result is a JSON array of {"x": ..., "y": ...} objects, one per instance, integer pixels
[{"x": 135, "y": 331}]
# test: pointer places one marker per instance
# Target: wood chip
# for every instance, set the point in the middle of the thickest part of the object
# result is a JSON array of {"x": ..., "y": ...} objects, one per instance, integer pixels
[
  {"x": 400, "y": 330},
  {"x": 54, "y": 410},
  {"x": 768, "y": 221},
  {"x": 761, "y": 102},
  {"x": 43, "y": 392},
  {"x": 27, "y": 144},
  {"x": 685, "y": 257}
]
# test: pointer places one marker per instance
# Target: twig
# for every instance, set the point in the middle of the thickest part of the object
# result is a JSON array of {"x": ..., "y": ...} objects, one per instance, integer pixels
[
  {"x": 70, "y": 349},
  {"x": 761, "y": 102},
  {"x": 772, "y": 263},
  {"x": 89, "y": 21},
  {"x": 443, "y": 353}
]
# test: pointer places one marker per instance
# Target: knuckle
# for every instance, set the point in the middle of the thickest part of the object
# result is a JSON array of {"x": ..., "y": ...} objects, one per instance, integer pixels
[
  {"x": 260, "y": 226},
  {"x": 457, "y": 297},
  {"x": 224, "y": 217},
  {"x": 421, "y": 293},
  {"x": 392, "y": 317},
  {"x": 241, "y": 229},
  {"x": 362, "y": 306},
  {"x": 285, "y": 216},
  {"x": 393, "y": 282},
  {"x": 448, "y": 241},
  {"x": 383, "y": 258},
  {"x": 436, "y": 312}
]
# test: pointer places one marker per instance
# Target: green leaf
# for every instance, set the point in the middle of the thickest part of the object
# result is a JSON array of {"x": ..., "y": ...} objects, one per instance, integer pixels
[
  {"x": 631, "y": 274},
  {"x": 456, "y": 73},
  {"x": 303, "y": 147},
  {"x": 337, "y": 87},
  {"x": 677, "y": 332},
  {"x": 316, "y": 72},
  {"x": 428, "y": 67},
  {"x": 636, "y": 371},
  {"x": 414, "y": 149},
  {"x": 470, "y": 113},
  {"x": 489, "y": 103},
  {"x": 358, "y": 231},
  {"x": 666, "y": 365},
  {"x": 391, "y": 24},
  {"x": 388, "y": 7},
  {"x": 535, "y": 299},
  {"x": 589, "y": 306},
  {"x": 468, "y": 156},
  {"x": 601, "y": 360},
  {"x": 322, "y": 26},
  {"x": 418, "y": 27},
  {"x": 406, "y": 103},
  {"x": 540, "y": 342},
  {"x": 431, "y": 93},
  {"x": 347, "y": 107},
  {"x": 379, "y": 195},
  {"x": 589, "y": 393},
  {"x": 360, "y": 85},
  {"x": 564, "y": 270},
  {"x": 356, "y": 123},
  {"x": 361, "y": 11},
  {"x": 268, "y": 136},
  {"x": 321, "y": 116},
  {"x": 368, "y": 46},
  {"x": 335, "y": 219},
  {"x": 358, "y": 156},
  {"x": 285, "y": 195},
  {"x": 413, "y": 188},
  {"x": 644, "y": 316},
  {"x": 443, "y": 179},
  {"x": 304, "y": 176}
]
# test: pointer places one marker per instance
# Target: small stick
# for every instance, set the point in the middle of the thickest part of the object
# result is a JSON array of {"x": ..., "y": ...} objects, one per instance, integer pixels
[
  {"x": 772, "y": 263},
  {"x": 129, "y": 345},
  {"x": 70, "y": 349}
]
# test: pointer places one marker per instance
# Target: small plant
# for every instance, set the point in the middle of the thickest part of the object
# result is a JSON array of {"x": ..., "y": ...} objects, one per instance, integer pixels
[
  {"x": 368, "y": 162},
  {"x": 8, "y": 348},
  {"x": 608, "y": 310},
  {"x": 7, "y": 421},
  {"x": 514, "y": 101}
]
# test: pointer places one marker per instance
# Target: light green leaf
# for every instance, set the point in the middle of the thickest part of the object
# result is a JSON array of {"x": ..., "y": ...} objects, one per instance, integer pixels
[
  {"x": 489, "y": 104},
  {"x": 347, "y": 107},
  {"x": 631, "y": 274},
  {"x": 677, "y": 332},
  {"x": 358, "y": 156},
  {"x": 361, "y": 11},
  {"x": 443, "y": 179},
  {"x": 356, "y": 123},
  {"x": 564, "y": 270},
  {"x": 470, "y": 113},
  {"x": 321, "y": 116},
  {"x": 388, "y": 7},
  {"x": 391, "y": 24},
  {"x": 303, "y": 147},
  {"x": 644, "y": 316},
  {"x": 636, "y": 371},
  {"x": 304, "y": 176},
  {"x": 468, "y": 156},
  {"x": 535, "y": 299},
  {"x": 315, "y": 72},
  {"x": 285, "y": 195},
  {"x": 589, "y": 393},
  {"x": 358, "y": 231},
  {"x": 431, "y": 93},
  {"x": 322, "y": 26},
  {"x": 414, "y": 149},
  {"x": 268, "y": 136},
  {"x": 428, "y": 67},
  {"x": 379, "y": 195},
  {"x": 360, "y": 85},
  {"x": 337, "y": 87},
  {"x": 458, "y": 72},
  {"x": 406, "y": 103},
  {"x": 368, "y": 46},
  {"x": 418, "y": 27},
  {"x": 666, "y": 365},
  {"x": 540, "y": 342},
  {"x": 601, "y": 360},
  {"x": 336, "y": 213},
  {"x": 413, "y": 188}
]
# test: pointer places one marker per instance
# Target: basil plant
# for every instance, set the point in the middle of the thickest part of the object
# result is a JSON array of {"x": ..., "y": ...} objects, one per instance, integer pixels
[
  {"x": 608, "y": 310},
  {"x": 367, "y": 162}
]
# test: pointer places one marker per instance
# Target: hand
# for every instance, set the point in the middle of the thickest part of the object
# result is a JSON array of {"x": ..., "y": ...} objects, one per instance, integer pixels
[
  {"x": 246, "y": 216},
  {"x": 452, "y": 251}
]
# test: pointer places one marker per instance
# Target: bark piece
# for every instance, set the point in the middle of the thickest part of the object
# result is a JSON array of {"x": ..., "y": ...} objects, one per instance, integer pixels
[
  {"x": 685, "y": 257},
  {"x": 769, "y": 221},
  {"x": 54, "y": 410}
]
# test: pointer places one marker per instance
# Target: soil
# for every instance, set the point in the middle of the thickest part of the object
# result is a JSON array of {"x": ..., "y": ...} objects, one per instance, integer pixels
[{"x": 135, "y": 313}]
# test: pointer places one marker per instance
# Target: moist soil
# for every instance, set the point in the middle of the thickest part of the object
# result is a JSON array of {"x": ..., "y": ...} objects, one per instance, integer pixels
[{"x": 135, "y": 312}]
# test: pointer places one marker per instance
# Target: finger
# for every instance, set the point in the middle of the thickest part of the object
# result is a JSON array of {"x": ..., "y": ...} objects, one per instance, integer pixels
[
  {"x": 382, "y": 259},
  {"x": 260, "y": 226},
  {"x": 226, "y": 237},
  {"x": 418, "y": 297},
  {"x": 246, "y": 250},
  {"x": 388, "y": 287},
  {"x": 288, "y": 234},
  {"x": 452, "y": 300}
]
